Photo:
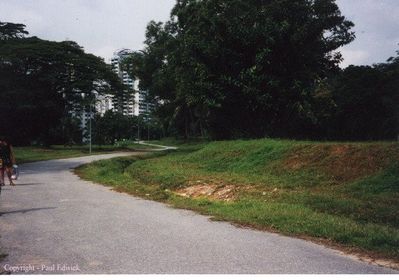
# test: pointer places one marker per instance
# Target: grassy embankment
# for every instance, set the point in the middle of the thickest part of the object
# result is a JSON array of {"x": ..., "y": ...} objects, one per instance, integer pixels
[
  {"x": 340, "y": 193},
  {"x": 31, "y": 154}
]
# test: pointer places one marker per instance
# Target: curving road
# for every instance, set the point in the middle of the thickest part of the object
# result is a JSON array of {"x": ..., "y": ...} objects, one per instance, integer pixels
[{"x": 52, "y": 222}]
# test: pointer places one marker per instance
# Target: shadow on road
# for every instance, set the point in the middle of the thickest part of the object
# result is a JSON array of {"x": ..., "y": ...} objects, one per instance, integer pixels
[{"x": 23, "y": 211}]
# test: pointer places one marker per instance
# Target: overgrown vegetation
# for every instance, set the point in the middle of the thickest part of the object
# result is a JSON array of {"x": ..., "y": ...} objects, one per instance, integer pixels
[
  {"x": 240, "y": 68},
  {"x": 346, "y": 193},
  {"x": 251, "y": 69}
]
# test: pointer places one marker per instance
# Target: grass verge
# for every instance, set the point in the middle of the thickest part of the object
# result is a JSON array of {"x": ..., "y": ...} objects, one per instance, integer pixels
[
  {"x": 32, "y": 154},
  {"x": 345, "y": 194}
]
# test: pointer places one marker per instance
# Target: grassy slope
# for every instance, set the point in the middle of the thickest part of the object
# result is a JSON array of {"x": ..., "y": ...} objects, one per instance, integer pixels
[{"x": 347, "y": 193}]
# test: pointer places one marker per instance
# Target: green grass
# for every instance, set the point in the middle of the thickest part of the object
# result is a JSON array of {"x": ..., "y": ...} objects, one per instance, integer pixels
[
  {"x": 178, "y": 142},
  {"x": 346, "y": 193},
  {"x": 32, "y": 154}
]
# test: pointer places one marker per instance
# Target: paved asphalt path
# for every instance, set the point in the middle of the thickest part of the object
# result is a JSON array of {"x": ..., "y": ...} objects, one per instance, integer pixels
[{"x": 52, "y": 222}]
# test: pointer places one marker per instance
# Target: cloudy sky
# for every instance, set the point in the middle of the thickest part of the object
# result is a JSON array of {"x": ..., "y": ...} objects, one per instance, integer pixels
[{"x": 102, "y": 26}]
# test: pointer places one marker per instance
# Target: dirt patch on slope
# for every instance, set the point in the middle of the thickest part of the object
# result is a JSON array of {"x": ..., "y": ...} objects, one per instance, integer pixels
[
  {"x": 342, "y": 162},
  {"x": 211, "y": 191}
]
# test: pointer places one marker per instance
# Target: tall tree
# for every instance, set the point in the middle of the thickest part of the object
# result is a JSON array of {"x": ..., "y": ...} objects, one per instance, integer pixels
[
  {"x": 41, "y": 83},
  {"x": 243, "y": 68},
  {"x": 367, "y": 103},
  {"x": 9, "y": 30}
]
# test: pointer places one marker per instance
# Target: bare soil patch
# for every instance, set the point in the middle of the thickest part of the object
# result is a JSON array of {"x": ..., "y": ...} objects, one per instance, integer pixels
[{"x": 213, "y": 191}]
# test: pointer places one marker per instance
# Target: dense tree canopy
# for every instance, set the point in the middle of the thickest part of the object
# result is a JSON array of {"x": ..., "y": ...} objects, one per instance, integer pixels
[
  {"x": 9, "y": 30},
  {"x": 41, "y": 83},
  {"x": 114, "y": 126},
  {"x": 241, "y": 68},
  {"x": 366, "y": 102}
]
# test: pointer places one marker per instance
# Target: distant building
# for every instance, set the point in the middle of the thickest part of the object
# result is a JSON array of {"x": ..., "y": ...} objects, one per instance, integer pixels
[
  {"x": 134, "y": 102},
  {"x": 104, "y": 103},
  {"x": 144, "y": 106},
  {"x": 124, "y": 102}
]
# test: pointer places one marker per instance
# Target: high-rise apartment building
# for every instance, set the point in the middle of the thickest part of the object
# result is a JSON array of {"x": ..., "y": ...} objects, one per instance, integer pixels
[
  {"x": 131, "y": 102},
  {"x": 134, "y": 102},
  {"x": 124, "y": 102}
]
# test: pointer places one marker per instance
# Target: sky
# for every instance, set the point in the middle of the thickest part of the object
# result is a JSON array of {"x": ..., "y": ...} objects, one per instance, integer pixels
[{"x": 104, "y": 26}]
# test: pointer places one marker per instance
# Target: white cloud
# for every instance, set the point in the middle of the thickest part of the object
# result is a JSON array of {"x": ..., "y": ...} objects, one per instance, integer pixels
[
  {"x": 354, "y": 57},
  {"x": 103, "y": 26},
  {"x": 376, "y": 27},
  {"x": 105, "y": 51},
  {"x": 100, "y": 26}
]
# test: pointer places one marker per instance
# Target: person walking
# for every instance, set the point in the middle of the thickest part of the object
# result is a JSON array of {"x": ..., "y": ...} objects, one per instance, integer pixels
[{"x": 7, "y": 159}]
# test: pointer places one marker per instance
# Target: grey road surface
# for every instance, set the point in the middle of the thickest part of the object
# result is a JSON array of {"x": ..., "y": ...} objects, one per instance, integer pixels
[{"x": 53, "y": 222}]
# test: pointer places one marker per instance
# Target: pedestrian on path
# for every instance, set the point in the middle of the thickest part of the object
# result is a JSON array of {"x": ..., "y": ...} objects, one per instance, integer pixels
[{"x": 7, "y": 160}]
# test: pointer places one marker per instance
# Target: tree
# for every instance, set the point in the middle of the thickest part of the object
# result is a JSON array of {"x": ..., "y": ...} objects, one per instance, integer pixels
[
  {"x": 367, "y": 103},
  {"x": 242, "y": 68},
  {"x": 9, "y": 30},
  {"x": 114, "y": 126},
  {"x": 41, "y": 85}
]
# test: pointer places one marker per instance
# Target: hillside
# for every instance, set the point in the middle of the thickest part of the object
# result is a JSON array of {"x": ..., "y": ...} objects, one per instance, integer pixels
[{"x": 343, "y": 194}]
